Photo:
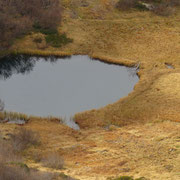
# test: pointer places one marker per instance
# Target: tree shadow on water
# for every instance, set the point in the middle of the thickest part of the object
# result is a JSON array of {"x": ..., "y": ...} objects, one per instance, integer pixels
[{"x": 21, "y": 64}]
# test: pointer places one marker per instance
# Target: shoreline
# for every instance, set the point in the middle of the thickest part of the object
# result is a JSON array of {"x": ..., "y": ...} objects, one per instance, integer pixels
[
  {"x": 124, "y": 38},
  {"x": 106, "y": 60}
]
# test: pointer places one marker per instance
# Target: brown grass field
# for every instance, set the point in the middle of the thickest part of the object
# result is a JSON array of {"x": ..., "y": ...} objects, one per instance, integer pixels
[
  {"x": 149, "y": 150},
  {"x": 101, "y": 31},
  {"x": 142, "y": 138}
]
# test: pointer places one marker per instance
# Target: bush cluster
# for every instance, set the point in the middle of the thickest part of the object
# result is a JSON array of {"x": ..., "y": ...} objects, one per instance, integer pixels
[
  {"x": 53, "y": 160},
  {"x": 52, "y": 36},
  {"x": 24, "y": 138},
  {"x": 57, "y": 40},
  {"x": 12, "y": 166},
  {"x": 17, "y": 17}
]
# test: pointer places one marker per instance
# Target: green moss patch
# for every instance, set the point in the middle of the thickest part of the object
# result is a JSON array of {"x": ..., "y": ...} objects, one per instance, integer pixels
[{"x": 57, "y": 40}]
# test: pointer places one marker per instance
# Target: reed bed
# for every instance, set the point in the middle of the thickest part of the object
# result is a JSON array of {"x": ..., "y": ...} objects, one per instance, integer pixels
[
  {"x": 109, "y": 60},
  {"x": 13, "y": 116},
  {"x": 7, "y": 116},
  {"x": 106, "y": 59},
  {"x": 32, "y": 52}
]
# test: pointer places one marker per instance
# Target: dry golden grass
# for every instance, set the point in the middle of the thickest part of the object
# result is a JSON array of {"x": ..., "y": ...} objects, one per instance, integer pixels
[
  {"x": 101, "y": 31},
  {"x": 135, "y": 36},
  {"x": 151, "y": 150},
  {"x": 155, "y": 98},
  {"x": 13, "y": 116}
]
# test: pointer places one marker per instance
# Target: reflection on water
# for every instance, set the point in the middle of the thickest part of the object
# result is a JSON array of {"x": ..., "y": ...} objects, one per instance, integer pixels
[
  {"x": 60, "y": 87},
  {"x": 15, "y": 65},
  {"x": 20, "y": 64}
]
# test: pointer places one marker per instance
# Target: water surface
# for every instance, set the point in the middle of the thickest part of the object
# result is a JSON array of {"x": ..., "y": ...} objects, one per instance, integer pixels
[{"x": 61, "y": 87}]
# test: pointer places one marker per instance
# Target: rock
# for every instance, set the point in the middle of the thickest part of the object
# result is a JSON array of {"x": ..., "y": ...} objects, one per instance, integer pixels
[{"x": 147, "y": 5}]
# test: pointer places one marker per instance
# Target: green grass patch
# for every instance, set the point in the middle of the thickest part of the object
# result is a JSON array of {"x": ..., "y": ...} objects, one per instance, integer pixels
[
  {"x": 57, "y": 40},
  {"x": 53, "y": 37}
]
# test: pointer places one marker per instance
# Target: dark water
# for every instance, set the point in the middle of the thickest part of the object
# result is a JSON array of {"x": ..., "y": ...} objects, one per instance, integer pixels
[{"x": 61, "y": 87}]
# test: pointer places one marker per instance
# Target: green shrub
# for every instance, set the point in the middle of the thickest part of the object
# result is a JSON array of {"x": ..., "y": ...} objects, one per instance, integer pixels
[
  {"x": 57, "y": 40},
  {"x": 52, "y": 37}
]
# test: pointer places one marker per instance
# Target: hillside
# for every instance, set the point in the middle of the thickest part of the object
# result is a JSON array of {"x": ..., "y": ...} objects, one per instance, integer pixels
[
  {"x": 151, "y": 150},
  {"x": 133, "y": 37},
  {"x": 139, "y": 134}
]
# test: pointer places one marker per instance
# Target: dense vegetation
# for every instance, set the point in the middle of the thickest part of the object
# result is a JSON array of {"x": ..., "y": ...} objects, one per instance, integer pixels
[
  {"x": 18, "y": 17},
  {"x": 12, "y": 165}
]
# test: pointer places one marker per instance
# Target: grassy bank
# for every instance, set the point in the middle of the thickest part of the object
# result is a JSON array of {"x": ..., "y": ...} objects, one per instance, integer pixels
[
  {"x": 131, "y": 37},
  {"x": 148, "y": 150},
  {"x": 134, "y": 36},
  {"x": 6, "y": 116},
  {"x": 139, "y": 135}
]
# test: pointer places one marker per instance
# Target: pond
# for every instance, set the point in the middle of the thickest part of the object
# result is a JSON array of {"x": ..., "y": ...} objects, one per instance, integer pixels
[{"x": 61, "y": 86}]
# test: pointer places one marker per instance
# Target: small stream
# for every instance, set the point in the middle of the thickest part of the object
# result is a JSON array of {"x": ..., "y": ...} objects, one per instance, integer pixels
[{"x": 61, "y": 86}]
